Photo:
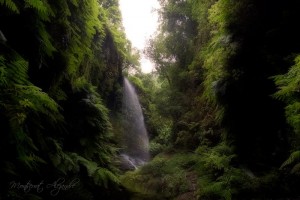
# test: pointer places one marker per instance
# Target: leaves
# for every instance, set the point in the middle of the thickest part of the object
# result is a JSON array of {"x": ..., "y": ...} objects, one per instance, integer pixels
[
  {"x": 10, "y": 4},
  {"x": 289, "y": 83},
  {"x": 100, "y": 176},
  {"x": 54, "y": 121},
  {"x": 288, "y": 91},
  {"x": 45, "y": 39},
  {"x": 42, "y": 7},
  {"x": 294, "y": 158}
]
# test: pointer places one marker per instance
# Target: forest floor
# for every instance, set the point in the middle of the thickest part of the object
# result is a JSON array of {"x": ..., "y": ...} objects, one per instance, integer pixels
[{"x": 167, "y": 176}]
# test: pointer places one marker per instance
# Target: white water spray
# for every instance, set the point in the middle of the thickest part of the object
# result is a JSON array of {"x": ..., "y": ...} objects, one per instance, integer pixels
[{"x": 136, "y": 142}]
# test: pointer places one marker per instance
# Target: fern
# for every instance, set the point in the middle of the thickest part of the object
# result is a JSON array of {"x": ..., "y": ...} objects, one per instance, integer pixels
[
  {"x": 90, "y": 166},
  {"x": 289, "y": 86},
  {"x": 17, "y": 71},
  {"x": 41, "y": 102},
  {"x": 24, "y": 104},
  {"x": 218, "y": 178},
  {"x": 63, "y": 161},
  {"x": 75, "y": 2},
  {"x": 294, "y": 158},
  {"x": 103, "y": 177},
  {"x": 216, "y": 190},
  {"x": 36, "y": 127},
  {"x": 217, "y": 158},
  {"x": 288, "y": 90},
  {"x": 219, "y": 48},
  {"x": 45, "y": 39},
  {"x": 42, "y": 7},
  {"x": 293, "y": 116},
  {"x": 11, "y": 5}
]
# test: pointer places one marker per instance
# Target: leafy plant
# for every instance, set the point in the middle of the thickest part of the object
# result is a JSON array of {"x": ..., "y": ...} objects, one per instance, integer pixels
[
  {"x": 164, "y": 177},
  {"x": 293, "y": 162},
  {"x": 25, "y": 104},
  {"x": 288, "y": 85},
  {"x": 56, "y": 79},
  {"x": 10, "y": 5}
]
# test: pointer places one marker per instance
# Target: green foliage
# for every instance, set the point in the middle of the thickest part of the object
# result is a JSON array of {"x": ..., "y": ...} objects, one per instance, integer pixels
[
  {"x": 138, "y": 83},
  {"x": 190, "y": 53},
  {"x": 17, "y": 66},
  {"x": 292, "y": 163},
  {"x": 46, "y": 40},
  {"x": 217, "y": 159},
  {"x": 58, "y": 78},
  {"x": 216, "y": 174},
  {"x": 218, "y": 179},
  {"x": 214, "y": 60},
  {"x": 42, "y": 8},
  {"x": 161, "y": 141},
  {"x": 24, "y": 104},
  {"x": 164, "y": 177},
  {"x": 288, "y": 89},
  {"x": 10, "y": 5},
  {"x": 219, "y": 47},
  {"x": 54, "y": 82},
  {"x": 96, "y": 123},
  {"x": 213, "y": 64},
  {"x": 100, "y": 175},
  {"x": 288, "y": 85}
]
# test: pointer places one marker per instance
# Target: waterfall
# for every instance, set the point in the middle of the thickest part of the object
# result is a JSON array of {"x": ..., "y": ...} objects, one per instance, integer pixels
[{"x": 135, "y": 137}]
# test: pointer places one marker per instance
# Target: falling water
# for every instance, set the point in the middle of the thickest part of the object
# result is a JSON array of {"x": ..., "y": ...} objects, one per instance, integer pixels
[{"x": 136, "y": 142}]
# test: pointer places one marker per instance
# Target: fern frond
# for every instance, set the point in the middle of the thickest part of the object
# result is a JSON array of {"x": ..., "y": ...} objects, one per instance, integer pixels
[
  {"x": 42, "y": 7},
  {"x": 103, "y": 176},
  {"x": 31, "y": 161},
  {"x": 292, "y": 112},
  {"x": 11, "y": 5},
  {"x": 74, "y": 2},
  {"x": 90, "y": 166},
  {"x": 214, "y": 190},
  {"x": 63, "y": 161},
  {"x": 294, "y": 157},
  {"x": 68, "y": 163},
  {"x": 39, "y": 101},
  {"x": 36, "y": 4},
  {"x": 17, "y": 70},
  {"x": 45, "y": 39},
  {"x": 288, "y": 83}
]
